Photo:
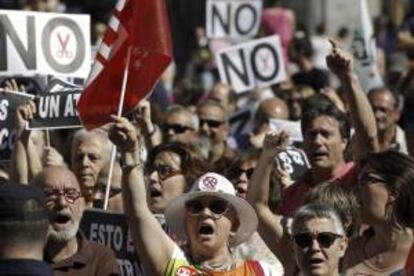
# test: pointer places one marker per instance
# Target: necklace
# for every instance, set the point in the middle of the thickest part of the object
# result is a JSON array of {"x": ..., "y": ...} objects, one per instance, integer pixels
[{"x": 227, "y": 266}]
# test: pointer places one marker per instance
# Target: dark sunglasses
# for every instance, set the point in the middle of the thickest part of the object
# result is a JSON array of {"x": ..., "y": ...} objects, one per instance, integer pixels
[
  {"x": 210, "y": 123},
  {"x": 325, "y": 239},
  {"x": 217, "y": 206},
  {"x": 237, "y": 172},
  {"x": 178, "y": 129}
]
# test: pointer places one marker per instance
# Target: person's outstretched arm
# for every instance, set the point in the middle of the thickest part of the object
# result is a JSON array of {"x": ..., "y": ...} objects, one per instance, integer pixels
[
  {"x": 153, "y": 245},
  {"x": 362, "y": 116},
  {"x": 270, "y": 225},
  {"x": 19, "y": 164}
]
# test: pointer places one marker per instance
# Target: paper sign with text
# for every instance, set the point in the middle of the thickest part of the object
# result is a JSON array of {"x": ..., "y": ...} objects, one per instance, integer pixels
[
  {"x": 44, "y": 43},
  {"x": 8, "y": 105},
  {"x": 295, "y": 132},
  {"x": 257, "y": 63},
  {"x": 233, "y": 19},
  {"x": 56, "y": 108}
]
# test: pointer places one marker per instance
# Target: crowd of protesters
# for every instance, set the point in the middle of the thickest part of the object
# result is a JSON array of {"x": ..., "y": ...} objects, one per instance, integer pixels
[{"x": 200, "y": 199}]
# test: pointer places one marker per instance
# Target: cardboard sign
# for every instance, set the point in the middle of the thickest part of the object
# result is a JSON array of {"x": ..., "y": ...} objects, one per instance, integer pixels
[
  {"x": 8, "y": 104},
  {"x": 44, "y": 43},
  {"x": 258, "y": 63},
  {"x": 111, "y": 230},
  {"x": 365, "y": 51},
  {"x": 294, "y": 129},
  {"x": 294, "y": 161},
  {"x": 233, "y": 19},
  {"x": 56, "y": 108}
]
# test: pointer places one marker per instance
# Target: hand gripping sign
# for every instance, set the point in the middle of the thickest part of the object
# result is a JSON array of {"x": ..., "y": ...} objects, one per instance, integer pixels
[{"x": 257, "y": 63}]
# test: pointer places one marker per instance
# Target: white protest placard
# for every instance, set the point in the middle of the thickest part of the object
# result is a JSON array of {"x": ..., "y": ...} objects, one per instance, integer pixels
[
  {"x": 365, "y": 50},
  {"x": 293, "y": 127},
  {"x": 44, "y": 43},
  {"x": 233, "y": 19},
  {"x": 258, "y": 63}
]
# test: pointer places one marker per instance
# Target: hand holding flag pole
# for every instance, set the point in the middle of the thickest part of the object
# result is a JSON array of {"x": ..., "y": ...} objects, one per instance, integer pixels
[
  {"x": 138, "y": 33},
  {"x": 119, "y": 113}
]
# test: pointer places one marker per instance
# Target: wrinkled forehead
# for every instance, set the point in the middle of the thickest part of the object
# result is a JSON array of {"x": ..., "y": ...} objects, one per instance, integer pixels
[{"x": 59, "y": 180}]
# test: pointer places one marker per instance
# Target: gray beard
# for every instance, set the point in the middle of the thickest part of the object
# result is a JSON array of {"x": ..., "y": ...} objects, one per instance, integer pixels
[{"x": 63, "y": 236}]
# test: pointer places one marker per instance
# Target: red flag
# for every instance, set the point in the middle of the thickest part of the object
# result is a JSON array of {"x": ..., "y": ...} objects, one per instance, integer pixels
[{"x": 142, "y": 26}]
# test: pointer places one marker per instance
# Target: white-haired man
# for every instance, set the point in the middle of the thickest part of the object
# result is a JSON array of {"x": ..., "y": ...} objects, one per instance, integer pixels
[{"x": 67, "y": 249}]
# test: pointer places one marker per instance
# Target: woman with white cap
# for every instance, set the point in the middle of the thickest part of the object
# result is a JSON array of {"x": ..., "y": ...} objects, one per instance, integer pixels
[{"x": 209, "y": 219}]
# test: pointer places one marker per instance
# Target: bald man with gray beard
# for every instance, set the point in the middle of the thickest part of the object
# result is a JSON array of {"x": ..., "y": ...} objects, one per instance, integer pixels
[{"x": 67, "y": 249}]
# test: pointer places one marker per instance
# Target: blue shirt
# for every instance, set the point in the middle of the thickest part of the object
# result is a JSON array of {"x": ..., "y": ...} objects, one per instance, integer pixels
[{"x": 25, "y": 267}]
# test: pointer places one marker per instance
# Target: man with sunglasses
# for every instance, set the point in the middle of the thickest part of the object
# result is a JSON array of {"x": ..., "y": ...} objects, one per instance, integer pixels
[
  {"x": 180, "y": 125},
  {"x": 215, "y": 126},
  {"x": 67, "y": 249},
  {"x": 319, "y": 240}
]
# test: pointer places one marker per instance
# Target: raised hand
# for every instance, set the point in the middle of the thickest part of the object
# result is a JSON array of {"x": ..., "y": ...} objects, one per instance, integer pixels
[
  {"x": 51, "y": 157},
  {"x": 339, "y": 61},
  {"x": 274, "y": 142},
  {"x": 24, "y": 113},
  {"x": 123, "y": 134}
]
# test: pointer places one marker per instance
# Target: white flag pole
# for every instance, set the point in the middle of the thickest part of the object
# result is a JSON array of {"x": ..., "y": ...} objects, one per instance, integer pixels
[{"x": 120, "y": 108}]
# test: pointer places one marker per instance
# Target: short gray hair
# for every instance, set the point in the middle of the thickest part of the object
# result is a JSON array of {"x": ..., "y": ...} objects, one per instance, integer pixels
[
  {"x": 195, "y": 124},
  {"x": 317, "y": 211},
  {"x": 100, "y": 132}
]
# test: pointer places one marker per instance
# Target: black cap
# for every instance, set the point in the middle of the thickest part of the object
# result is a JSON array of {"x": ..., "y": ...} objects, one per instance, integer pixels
[{"x": 22, "y": 203}]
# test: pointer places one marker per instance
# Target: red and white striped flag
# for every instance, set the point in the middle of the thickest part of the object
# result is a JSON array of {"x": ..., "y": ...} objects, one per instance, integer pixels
[{"x": 142, "y": 26}]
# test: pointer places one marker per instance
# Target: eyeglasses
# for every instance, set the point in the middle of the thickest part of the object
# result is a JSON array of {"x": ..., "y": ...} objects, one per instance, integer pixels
[
  {"x": 237, "y": 172},
  {"x": 217, "y": 206},
  {"x": 210, "y": 123},
  {"x": 71, "y": 195},
  {"x": 164, "y": 171},
  {"x": 178, "y": 129},
  {"x": 325, "y": 239}
]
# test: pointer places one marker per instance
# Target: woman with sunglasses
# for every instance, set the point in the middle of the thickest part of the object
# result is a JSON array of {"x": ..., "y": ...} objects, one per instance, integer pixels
[
  {"x": 319, "y": 240},
  {"x": 383, "y": 247},
  {"x": 241, "y": 170},
  {"x": 210, "y": 219},
  {"x": 170, "y": 169}
]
